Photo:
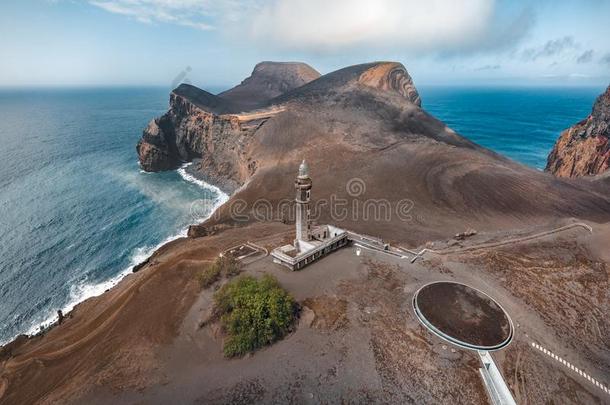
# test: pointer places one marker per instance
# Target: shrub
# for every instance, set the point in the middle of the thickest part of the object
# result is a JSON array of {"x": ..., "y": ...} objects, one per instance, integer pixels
[
  {"x": 254, "y": 313},
  {"x": 209, "y": 275},
  {"x": 222, "y": 266},
  {"x": 229, "y": 266}
]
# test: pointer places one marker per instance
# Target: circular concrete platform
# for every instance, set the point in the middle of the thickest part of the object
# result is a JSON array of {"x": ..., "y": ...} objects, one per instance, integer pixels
[{"x": 463, "y": 315}]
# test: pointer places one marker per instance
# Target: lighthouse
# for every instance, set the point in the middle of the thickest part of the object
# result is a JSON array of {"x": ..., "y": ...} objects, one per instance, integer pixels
[
  {"x": 302, "y": 186},
  {"x": 310, "y": 243}
]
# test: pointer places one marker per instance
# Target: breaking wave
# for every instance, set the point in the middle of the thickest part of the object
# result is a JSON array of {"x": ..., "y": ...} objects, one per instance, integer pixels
[{"x": 84, "y": 290}]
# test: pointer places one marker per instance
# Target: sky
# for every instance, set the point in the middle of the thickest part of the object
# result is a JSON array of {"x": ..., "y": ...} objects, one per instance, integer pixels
[{"x": 216, "y": 43}]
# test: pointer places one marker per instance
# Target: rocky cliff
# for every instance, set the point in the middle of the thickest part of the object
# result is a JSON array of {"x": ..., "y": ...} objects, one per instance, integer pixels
[
  {"x": 584, "y": 148},
  {"x": 215, "y": 131},
  {"x": 192, "y": 129},
  {"x": 392, "y": 77},
  {"x": 380, "y": 166},
  {"x": 361, "y": 122},
  {"x": 201, "y": 125}
]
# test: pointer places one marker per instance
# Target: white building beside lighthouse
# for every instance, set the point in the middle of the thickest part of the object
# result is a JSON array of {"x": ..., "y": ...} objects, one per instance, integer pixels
[{"x": 310, "y": 243}]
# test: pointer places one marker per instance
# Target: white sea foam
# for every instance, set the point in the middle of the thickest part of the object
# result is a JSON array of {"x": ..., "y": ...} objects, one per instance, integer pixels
[
  {"x": 83, "y": 291},
  {"x": 221, "y": 196},
  {"x": 192, "y": 179}
]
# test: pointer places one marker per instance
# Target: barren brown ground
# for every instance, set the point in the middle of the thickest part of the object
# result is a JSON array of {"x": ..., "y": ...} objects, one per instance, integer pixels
[
  {"x": 357, "y": 340},
  {"x": 565, "y": 286}
]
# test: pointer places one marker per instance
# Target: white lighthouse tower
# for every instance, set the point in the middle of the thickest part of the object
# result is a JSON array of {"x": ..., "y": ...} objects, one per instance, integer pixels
[
  {"x": 310, "y": 243},
  {"x": 303, "y": 194}
]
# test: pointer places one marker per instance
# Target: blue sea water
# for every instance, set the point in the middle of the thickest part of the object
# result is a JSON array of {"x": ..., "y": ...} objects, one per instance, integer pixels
[
  {"x": 522, "y": 123},
  {"x": 76, "y": 212}
]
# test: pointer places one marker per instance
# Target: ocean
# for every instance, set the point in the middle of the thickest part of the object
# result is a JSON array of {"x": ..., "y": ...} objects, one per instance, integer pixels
[
  {"x": 521, "y": 123},
  {"x": 76, "y": 211}
]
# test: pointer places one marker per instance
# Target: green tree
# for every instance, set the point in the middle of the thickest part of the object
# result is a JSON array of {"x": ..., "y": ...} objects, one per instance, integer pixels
[{"x": 254, "y": 313}]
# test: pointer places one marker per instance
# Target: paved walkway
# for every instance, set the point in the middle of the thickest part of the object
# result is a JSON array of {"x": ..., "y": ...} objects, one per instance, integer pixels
[
  {"x": 498, "y": 391},
  {"x": 500, "y": 243},
  {"x": 372, "y": 243}
]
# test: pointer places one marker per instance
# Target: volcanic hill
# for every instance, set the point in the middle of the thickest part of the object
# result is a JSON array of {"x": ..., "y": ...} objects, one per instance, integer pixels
[
  {"x": 380, "y": 166},
  {"x": 362, "y": 122}
]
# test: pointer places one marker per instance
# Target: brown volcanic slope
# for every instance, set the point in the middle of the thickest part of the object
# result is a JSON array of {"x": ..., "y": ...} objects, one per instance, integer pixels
[
  {"x": 584, "y": 148},
  {"x": 365, "y": 122},
  {"x": 142, "y": 342},
  {"x": 269, "y": 80}
]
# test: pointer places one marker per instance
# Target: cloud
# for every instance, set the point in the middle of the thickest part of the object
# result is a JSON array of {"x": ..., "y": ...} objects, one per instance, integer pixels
[
  {"x": 408, "y": 25},
  {"x": 188, "y": 13},
  {"x": 568, "y": 76},
  {"x": 550, "y": 48},
  {"x": 488, "y": 67},
  {"x": 605, "y": 59},
  {"x": 442, "y": 26},
  {"x": 323, "y": 24},
  {"x": 585, "y": 57}
]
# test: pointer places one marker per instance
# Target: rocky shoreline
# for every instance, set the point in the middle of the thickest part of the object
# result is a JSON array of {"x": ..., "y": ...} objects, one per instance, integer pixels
[
  {"x": 194, "y": 230},
  {"x": 141, "y": 341}
]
